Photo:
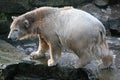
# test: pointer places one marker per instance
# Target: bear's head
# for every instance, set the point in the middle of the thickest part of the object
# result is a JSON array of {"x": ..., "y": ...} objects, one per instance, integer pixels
[{"x": 20, "y": 28}]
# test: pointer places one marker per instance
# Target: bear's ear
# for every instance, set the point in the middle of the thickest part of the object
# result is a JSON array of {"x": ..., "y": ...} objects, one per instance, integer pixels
[
  {"x": 13, "y": 17},
  {"x": 26, "y": 22}
]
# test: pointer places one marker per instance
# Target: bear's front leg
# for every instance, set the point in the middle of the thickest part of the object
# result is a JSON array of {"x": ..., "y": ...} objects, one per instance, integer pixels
[
  {"x": 42, "y": 48},
  {"x": 55, "y": 53}
]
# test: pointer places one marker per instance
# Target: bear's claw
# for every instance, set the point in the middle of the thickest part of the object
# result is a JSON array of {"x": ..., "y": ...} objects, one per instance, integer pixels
[
  {"x": 51, "y": 62},
  {"x": 36, "y": 55}
]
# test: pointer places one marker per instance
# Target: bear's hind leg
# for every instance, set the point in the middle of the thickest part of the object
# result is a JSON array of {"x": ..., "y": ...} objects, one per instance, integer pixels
[
  {"x": 107, "y": 57},
  {"x": 107, "y": 62},
  {"x": 42, "y": 48},
  {"x": 84, "y": 58}
]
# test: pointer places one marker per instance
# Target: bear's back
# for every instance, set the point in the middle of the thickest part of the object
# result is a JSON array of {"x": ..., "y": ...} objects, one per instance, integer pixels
[{"x": 75, "y": 20}]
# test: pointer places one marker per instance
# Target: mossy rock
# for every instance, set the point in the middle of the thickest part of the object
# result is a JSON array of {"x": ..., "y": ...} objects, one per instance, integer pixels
[{"x": 9, "y": 54}]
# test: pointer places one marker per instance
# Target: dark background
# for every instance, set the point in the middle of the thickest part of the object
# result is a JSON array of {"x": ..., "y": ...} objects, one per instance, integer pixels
[{"x": 107, "y": 11}]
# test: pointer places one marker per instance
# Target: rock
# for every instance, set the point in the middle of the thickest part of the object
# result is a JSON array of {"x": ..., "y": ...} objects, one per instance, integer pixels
[
  {"x": 115, "y": 26},
  {"x": 114, "y": 20},
  {"x": 114, "y": 43},
  {"x": 15, "y": 65},
  {"x": 101, "y": 3},
  {"x": 4, "y": 26},
  {"x": 55, "y": 72},
  {"x": 8, "y": 71},
  {"x": 22, "y": 6},
  {"x": 57, "y": 3},
  {"x": 38, "y": 3},
  {"x": 14, "y": 6},
  {"x": 30, "y": 71},
  {"x": 9, "y": 54},
  {"x": 22, "y": 68}
]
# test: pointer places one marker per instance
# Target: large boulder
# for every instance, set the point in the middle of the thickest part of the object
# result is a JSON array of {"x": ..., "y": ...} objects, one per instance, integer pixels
[
  {"x": 101, "y": 3},
  {"x": 114, "y": 26},
  {"x": 114, "y": 20},
  {"x": 9, "y": 54}
]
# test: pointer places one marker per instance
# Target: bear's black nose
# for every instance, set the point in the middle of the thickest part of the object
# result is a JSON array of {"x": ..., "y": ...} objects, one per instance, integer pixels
[{"x": 14, "y": 39}]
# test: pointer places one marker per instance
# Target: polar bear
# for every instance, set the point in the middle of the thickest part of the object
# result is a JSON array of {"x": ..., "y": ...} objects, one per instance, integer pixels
[{"x": 58, "y": 27}]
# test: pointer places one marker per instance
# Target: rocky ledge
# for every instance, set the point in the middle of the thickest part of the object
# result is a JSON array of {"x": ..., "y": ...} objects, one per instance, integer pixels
[{"x": 16, "y": 65}]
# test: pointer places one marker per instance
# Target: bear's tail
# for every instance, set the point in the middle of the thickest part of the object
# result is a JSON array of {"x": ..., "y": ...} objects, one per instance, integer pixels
[{"x": 102, "y": 35}]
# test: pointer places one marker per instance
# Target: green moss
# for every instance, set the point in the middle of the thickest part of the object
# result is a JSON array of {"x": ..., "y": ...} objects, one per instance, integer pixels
[
  {"x": 3, "y": 16},
  {"x": 3, "y": 61},
  {"x": 9, "y": 54}
]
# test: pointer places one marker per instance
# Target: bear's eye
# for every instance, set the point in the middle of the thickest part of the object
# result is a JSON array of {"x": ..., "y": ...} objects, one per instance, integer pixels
[{"x": 15, "y": 30}]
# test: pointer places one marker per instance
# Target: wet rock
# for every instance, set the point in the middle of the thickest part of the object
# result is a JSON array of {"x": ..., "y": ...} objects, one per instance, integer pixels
[
  {"x": 55, "y": 72},
  {"x": 9, "y": 56},
  {"x": 15, "y": 65},
  {"x": 114, "y": 20},
  {"x": 114, "y": 44},
  {"x": 115, "y": 26},
  {"x": 68, "y": 59},
  {"x": 101, "y": 3},
  {"x": 8, "y": 71},
  {"x": 32, "y": 71}
]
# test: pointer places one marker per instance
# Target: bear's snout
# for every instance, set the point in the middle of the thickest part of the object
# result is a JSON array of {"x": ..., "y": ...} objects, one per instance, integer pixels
[{"x": 12, "y": 37}]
